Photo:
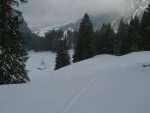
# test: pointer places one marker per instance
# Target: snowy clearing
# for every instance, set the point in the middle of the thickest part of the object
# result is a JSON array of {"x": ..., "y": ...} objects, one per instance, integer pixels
[{"x": 103, "y": 84}]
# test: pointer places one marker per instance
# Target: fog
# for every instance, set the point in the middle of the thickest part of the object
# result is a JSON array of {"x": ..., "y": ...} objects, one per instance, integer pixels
[{"x": 40, "y": 12}]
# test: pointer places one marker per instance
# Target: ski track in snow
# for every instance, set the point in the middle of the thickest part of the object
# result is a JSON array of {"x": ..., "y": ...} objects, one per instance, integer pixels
[
  {"x": 76, "y": 96},
  {"x": 102, "y": 84}
]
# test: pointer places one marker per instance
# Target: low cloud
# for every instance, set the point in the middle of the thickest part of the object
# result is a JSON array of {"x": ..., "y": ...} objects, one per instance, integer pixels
[{"x": 39, "y": 12}]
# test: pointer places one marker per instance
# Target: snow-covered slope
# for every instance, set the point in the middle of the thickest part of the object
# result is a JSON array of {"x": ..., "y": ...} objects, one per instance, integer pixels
[
  {"x": 103, "y": 84},
  {"x": 41, "y": 30},
  {"x": 136, "y": 8}
]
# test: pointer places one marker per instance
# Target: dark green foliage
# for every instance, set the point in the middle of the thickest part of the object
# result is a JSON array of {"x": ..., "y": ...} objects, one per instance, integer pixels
[
  {"x": 75, "y": 39},
  {"x": 34, "y": 42},
  {"x": 51, "y": 40},
  {"x": 108, "y": 39},
  {"x": 98, "y": 42},
  {"x": 99, "y": 38},
  {"x": 120, "y": 37},
  {"x": 105, "y": 40},
  {"x": 12, "y": 53},
  {"x": 85, "y": 45},
  {"x": 133, "y": 35},
  {"x": 62, "y": 58},
  {"x": 130, "y": 42},
  {"x": 145, "y": 30}
]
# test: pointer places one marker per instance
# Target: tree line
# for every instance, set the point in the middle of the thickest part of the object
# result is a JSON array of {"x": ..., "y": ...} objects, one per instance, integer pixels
[
  {"x": 130, "y": 37},
  {"x": 51, "y": 40}
]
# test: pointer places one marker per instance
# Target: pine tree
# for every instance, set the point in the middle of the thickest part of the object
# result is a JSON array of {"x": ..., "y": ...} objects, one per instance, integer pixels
[
  {"x": 75, "y": 39},
  {"x": 108, "y": 39},
  {"x": 12, "y": 53},
  {"x": 62, "y": 58},
  {"x": 99, "y": 38},
  {"x": 134, "y": 34},
  {"x": 132, "y": 38},
  {"x": 145, "y": 30},
  {"x": 119, "y": 39},
  {"x": 97, "y": 42},
  {"x": 85, "y": 45}
]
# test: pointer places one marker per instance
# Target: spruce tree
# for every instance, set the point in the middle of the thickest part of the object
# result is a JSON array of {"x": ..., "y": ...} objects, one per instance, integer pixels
[
  {"x": 108, "y": 39},
  {"x": 134, "y": 34},
  {"x": 99, "y": 40},
  {"x": 131, "y": 42},
  {"x": 75, "y": 39},
  {"x": 62, "y": 56},
  {"x": 121, "y": 35},
  {"x": 85, "y": 45},
  {"x": 145, "y": 30},
  {"x": 12, "y": 52}
]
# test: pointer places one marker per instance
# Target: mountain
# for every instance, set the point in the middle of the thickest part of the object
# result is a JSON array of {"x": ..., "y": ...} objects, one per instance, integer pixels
[
  {"x": 135, "y": 7},
  {"x": 97, "y": 21},
  {"x": 41, "y": 30}
]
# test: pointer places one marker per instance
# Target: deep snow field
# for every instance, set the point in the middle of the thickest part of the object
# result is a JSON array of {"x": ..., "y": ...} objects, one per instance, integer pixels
[{"x": 103, "y": 84}]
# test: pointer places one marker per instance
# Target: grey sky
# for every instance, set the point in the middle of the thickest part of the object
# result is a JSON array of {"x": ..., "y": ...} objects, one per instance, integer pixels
[{"x": 40, "y": 12}]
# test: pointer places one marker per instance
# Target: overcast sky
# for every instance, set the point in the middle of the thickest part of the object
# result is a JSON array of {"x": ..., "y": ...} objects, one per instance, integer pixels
[{"x": 40, "y": 12}]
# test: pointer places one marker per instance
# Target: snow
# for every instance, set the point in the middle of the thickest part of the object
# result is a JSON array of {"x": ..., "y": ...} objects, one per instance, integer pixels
[
  {"x": 65, "y": 34},
  {"x": 35, "y": 61},
  {"x": 103, "y": 84},
  {"x": 41, "y": 30}
]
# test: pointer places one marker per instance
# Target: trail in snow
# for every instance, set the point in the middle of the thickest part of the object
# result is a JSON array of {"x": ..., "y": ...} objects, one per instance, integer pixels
[{"x": 73, "y": 100}]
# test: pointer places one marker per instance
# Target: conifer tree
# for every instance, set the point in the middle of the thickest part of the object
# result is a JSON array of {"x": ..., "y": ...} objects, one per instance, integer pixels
[
  {"x": 134, "y": 34},
  {"x": 12, "y": 53},
  {"x": 85, "y": 45},
  {"x": 75, "y": 39},
  {"x": 62, "y": 56},
  {"x": 121, "y": 35},
  {"x": 131, "y": 41},
  {"x": 145, "y": 30},
  {"x": 97, "y": 36},
  {"x": 99, "y": 39},
  {"x": 108, "y": 39}
]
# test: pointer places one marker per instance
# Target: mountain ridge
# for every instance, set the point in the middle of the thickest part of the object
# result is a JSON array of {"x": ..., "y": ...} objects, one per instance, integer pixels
[{"x": 136, "y": 7}]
